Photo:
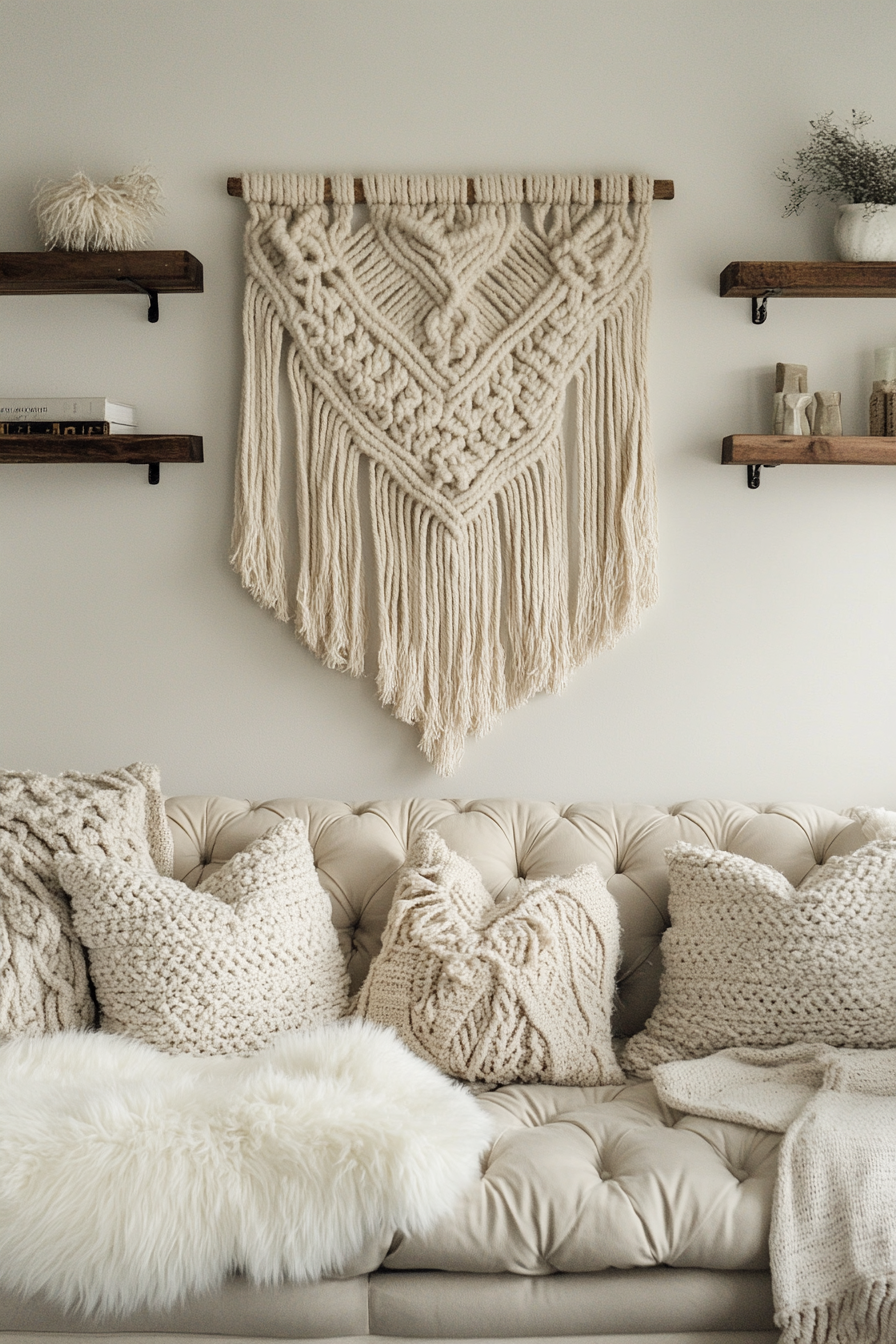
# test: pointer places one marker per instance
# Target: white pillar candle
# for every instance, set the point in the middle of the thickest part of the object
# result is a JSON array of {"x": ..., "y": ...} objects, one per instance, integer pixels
[{"x": 885, "y": 363}]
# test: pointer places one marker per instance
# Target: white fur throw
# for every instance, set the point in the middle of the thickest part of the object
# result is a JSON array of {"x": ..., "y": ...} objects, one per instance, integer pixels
[
  {"x": 117, "y": 814},
  {"x": 219, "y": 970},
  {"x": 519, "y": 991},
  {"x": 752, "y": 961},
  {"x": 130, "y": 1178}
]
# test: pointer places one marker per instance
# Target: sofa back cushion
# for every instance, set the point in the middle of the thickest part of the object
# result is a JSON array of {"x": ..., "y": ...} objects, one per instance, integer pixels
[{"x": 360, "y": 849}]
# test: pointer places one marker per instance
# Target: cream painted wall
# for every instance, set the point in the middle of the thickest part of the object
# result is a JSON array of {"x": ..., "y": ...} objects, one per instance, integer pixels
[{"x": 765, "y": 671}]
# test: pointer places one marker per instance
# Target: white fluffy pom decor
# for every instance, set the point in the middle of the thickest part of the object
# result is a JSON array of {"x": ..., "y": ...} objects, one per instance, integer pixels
[
  {"x": 129, "y": 1177},
  {"x": 84, "y": 216}
]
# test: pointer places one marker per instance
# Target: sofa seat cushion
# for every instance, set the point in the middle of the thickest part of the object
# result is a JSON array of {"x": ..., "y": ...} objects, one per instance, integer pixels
[
  {"x": 657, "y": 1301},
  {"x": 332, "y": 1308},
  {"x": 631, "y": 1303},
  {"x": 594, "y": 1178}
]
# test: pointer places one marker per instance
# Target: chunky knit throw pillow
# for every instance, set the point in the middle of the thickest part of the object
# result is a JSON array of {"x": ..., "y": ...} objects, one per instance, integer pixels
[
  {"x": 750, "y": 960},
  {"x": 116, "y": 814},
  {"x": 517, "y": 991},
  {"x": 219, "y": 970}
]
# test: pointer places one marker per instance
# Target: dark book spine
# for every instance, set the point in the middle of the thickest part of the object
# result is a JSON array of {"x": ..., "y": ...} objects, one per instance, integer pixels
[{"x": 88, "y": 428}]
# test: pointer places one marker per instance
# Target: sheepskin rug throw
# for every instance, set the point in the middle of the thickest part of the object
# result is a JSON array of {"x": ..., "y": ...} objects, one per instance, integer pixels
[
  {"x": 438, "y": 341},
  {"x": 129, "y": 1177}
]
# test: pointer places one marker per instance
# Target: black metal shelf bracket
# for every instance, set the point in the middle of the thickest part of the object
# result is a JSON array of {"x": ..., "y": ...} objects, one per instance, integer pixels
[
  {"x": 153, "y": 474},
  {"x": 753, "y": 470},
  {"x": 759, "y": 310},
  {"x": 152, "y": 294}
]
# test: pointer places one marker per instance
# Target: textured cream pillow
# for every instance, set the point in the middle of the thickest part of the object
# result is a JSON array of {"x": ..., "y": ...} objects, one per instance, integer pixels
[
  {"x": 219, "y": 970},
  {"x": 117, "y": 814},
  {"x": 519, "y": 991},
  {"x": 751, "y": 960}
]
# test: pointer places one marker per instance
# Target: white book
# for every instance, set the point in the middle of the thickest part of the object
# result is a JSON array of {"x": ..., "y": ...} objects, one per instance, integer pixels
[{"x": 66, "y": 408}]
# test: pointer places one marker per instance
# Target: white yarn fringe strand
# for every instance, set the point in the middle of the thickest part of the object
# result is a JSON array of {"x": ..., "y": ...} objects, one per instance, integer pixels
[{"x": 80, "y": 215}]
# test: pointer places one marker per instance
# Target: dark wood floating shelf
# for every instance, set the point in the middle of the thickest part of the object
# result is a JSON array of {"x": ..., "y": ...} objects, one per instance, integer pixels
[
  {"x": 809, "y": 279},
  {"x": 98, "y": 272},
  {"x": 144, "y": 449},
  {"x": 149, "y": 273},
  {"x": 764, "y": 280},
  {"x": 771, "y": 450}
]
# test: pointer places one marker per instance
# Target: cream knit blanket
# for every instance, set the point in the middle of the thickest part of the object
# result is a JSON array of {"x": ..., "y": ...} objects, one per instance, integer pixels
[
  {"x": 833, "y": 1232},
  {"x": 437, "y": 341}
]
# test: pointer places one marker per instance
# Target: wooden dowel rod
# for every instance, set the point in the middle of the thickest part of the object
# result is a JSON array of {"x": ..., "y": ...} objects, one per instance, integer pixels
[{"x": 663, "y": 189}]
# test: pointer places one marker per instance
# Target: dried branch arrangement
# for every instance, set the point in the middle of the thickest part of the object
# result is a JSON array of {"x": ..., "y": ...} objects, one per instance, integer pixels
[{"x": 840, "y": 164}]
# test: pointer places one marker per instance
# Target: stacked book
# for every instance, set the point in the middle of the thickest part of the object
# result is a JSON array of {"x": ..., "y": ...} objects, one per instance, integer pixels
[{"x": 65, "y": 415}]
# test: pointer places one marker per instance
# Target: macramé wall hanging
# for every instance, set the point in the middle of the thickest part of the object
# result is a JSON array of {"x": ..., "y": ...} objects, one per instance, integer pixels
[{"x": 439, "y": 340}]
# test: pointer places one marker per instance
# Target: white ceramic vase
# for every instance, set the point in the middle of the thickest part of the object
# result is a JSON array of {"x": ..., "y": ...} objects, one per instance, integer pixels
[{"x": 866, "y": 233}]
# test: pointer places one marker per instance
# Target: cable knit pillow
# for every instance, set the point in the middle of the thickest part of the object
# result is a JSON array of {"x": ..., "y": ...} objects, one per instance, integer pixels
[
  {"x": 749, "y": 960},
  {"x": 117, "y": 814},
  {"x": 519, "y": 991},
  {"x": 219, "y": 970}
]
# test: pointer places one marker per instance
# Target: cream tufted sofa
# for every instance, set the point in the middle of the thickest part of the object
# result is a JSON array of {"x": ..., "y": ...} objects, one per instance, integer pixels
[{"x": 601, "y": 1213}]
